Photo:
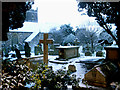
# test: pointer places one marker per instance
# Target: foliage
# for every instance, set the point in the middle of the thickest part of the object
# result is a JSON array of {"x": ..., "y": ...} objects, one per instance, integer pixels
[
  {"x": 45, "y": 77},
  {"x": 87, "y": 36},
  {"x": 15, "y": 75},
  {"x": 62, "y": 33},
  {"x": 105, "y": 13},
  {"x": 69, "y": 39},
  {"x": 56, "y": 35},
  {"x": 105, "y": 38},
  {"x": 13, "y": 16},
  {"x": 66, "y": 30}
]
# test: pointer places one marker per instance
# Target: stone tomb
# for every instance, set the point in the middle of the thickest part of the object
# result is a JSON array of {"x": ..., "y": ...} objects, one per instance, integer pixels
[
  {"x": 101, "y": 75},
  {"x": 66, "y": 52},
  {"x": 112, "y": 53}
]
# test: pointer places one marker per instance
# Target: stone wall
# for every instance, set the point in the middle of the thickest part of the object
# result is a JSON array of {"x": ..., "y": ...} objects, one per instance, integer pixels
[
  {"x": 16, "y": 38},
  {"x": 20, "y": 37}
]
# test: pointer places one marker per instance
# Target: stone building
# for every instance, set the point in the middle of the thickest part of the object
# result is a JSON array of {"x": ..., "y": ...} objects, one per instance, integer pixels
[{"x": 28, "y": 33}]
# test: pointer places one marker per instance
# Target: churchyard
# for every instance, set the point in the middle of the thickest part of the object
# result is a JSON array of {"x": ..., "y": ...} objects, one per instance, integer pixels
[{"x": 67, "y": 68}]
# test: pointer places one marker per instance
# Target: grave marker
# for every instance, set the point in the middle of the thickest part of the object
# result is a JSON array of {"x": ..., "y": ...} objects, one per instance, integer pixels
[{"x": 45, "y": 42}]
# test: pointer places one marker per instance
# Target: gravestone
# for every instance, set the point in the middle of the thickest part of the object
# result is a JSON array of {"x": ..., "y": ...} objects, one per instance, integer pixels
[
  {"x": 88, "y": 53},
  {"x": 18, "y": 55},
  {"x": 6, "y": 52},
  {"x": 53, "y": 50},
  {"x": 99, "y": 54},
  {"x": 72, "y": 68},
  {"x": 45, "y": 42},
  {"x": 27, "y": 49},
  {"x": 21, "y": 47},
  {"x": 38, "y": 50},
  {"x": 76, "y": 41}
]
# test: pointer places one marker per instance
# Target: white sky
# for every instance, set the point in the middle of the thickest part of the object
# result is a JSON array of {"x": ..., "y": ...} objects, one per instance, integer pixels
[{"x": 60, "y": 12}]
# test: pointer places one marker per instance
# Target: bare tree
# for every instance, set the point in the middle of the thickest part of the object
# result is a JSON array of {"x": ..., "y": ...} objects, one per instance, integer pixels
[{"x": 87, "y": 36}]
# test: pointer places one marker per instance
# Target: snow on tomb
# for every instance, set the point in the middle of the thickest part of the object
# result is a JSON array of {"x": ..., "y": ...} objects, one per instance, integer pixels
[
  {"x": 101, "y": 75},
  {"x": 66, "y": 52},
  {"x": 46, "y": 41}
]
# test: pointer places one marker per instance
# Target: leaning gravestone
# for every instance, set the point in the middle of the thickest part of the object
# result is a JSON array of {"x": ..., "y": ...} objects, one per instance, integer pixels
[{"x": 27, "y": 49}]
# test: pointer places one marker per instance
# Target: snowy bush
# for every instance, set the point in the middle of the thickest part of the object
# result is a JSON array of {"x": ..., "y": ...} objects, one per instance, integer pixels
[{"x": 45, "y": 77}]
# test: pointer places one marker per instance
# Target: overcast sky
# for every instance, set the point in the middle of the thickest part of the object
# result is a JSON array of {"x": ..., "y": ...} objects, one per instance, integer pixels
[{"x": 60, "y": 12}]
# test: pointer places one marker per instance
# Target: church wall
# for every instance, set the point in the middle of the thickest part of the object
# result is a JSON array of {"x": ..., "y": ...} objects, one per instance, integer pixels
[{"x": 16, "y": 38}]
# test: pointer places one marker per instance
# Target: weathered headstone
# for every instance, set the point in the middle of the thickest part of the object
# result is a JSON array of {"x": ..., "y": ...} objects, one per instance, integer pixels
[
  {"x": 21, "y": 47},
  {"x": 18, "y": 55},
  {"x": 88, "y": 53},
  {"x": 6, "y": 52},
  {"x": 46, "y": 41},
  {"x": 38, "y": 50},
  {"x": 99, "y": 54},
  {"x": 27, "y": 49},
  {"x": 53, "y": 50},
  {"x": 72, "y": 68},
  {"x": 76, "y": 41}
]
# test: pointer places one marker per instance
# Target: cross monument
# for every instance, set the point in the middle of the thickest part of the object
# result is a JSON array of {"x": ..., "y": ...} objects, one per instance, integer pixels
[{"x": 45, "y": 42}]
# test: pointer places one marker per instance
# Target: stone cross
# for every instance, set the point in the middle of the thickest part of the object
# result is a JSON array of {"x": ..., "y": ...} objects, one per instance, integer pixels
[{"x": 45, "y": 42}]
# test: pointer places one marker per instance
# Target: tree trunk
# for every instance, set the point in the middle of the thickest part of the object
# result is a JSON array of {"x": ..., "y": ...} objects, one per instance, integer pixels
[{"x": 118, "y": 35}]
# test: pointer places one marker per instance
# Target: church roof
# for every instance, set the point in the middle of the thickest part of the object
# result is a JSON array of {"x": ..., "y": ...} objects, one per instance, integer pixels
[{"x": 31, "y": 36}]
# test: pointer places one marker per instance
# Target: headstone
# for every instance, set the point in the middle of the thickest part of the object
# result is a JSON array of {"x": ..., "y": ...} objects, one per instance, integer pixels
[
  {"x": 72, "y": 68},
  {"x": 76, "y": 41},
  {"x": 6, "y": 52},
  {"x": 27, "y": 49},
  {"x": 53, "y": 50},
  {"x": 38, "y": 50},
  {"x": 45, "y": 42},
  {"x": 99, "y": 54},
  {"x": 88, "y": 53},
  {"x": 21, "y": 47},
  {"x": 18, "y": 55}
]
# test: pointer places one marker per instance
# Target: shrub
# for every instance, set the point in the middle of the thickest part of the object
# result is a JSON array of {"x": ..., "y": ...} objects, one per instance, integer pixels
[
  {"x": 15, "y": 75},
  {"x": 45, "y": 77}
]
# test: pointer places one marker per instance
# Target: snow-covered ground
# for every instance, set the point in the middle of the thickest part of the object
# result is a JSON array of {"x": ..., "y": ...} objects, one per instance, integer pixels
[{"x": 80, "y": 67}]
